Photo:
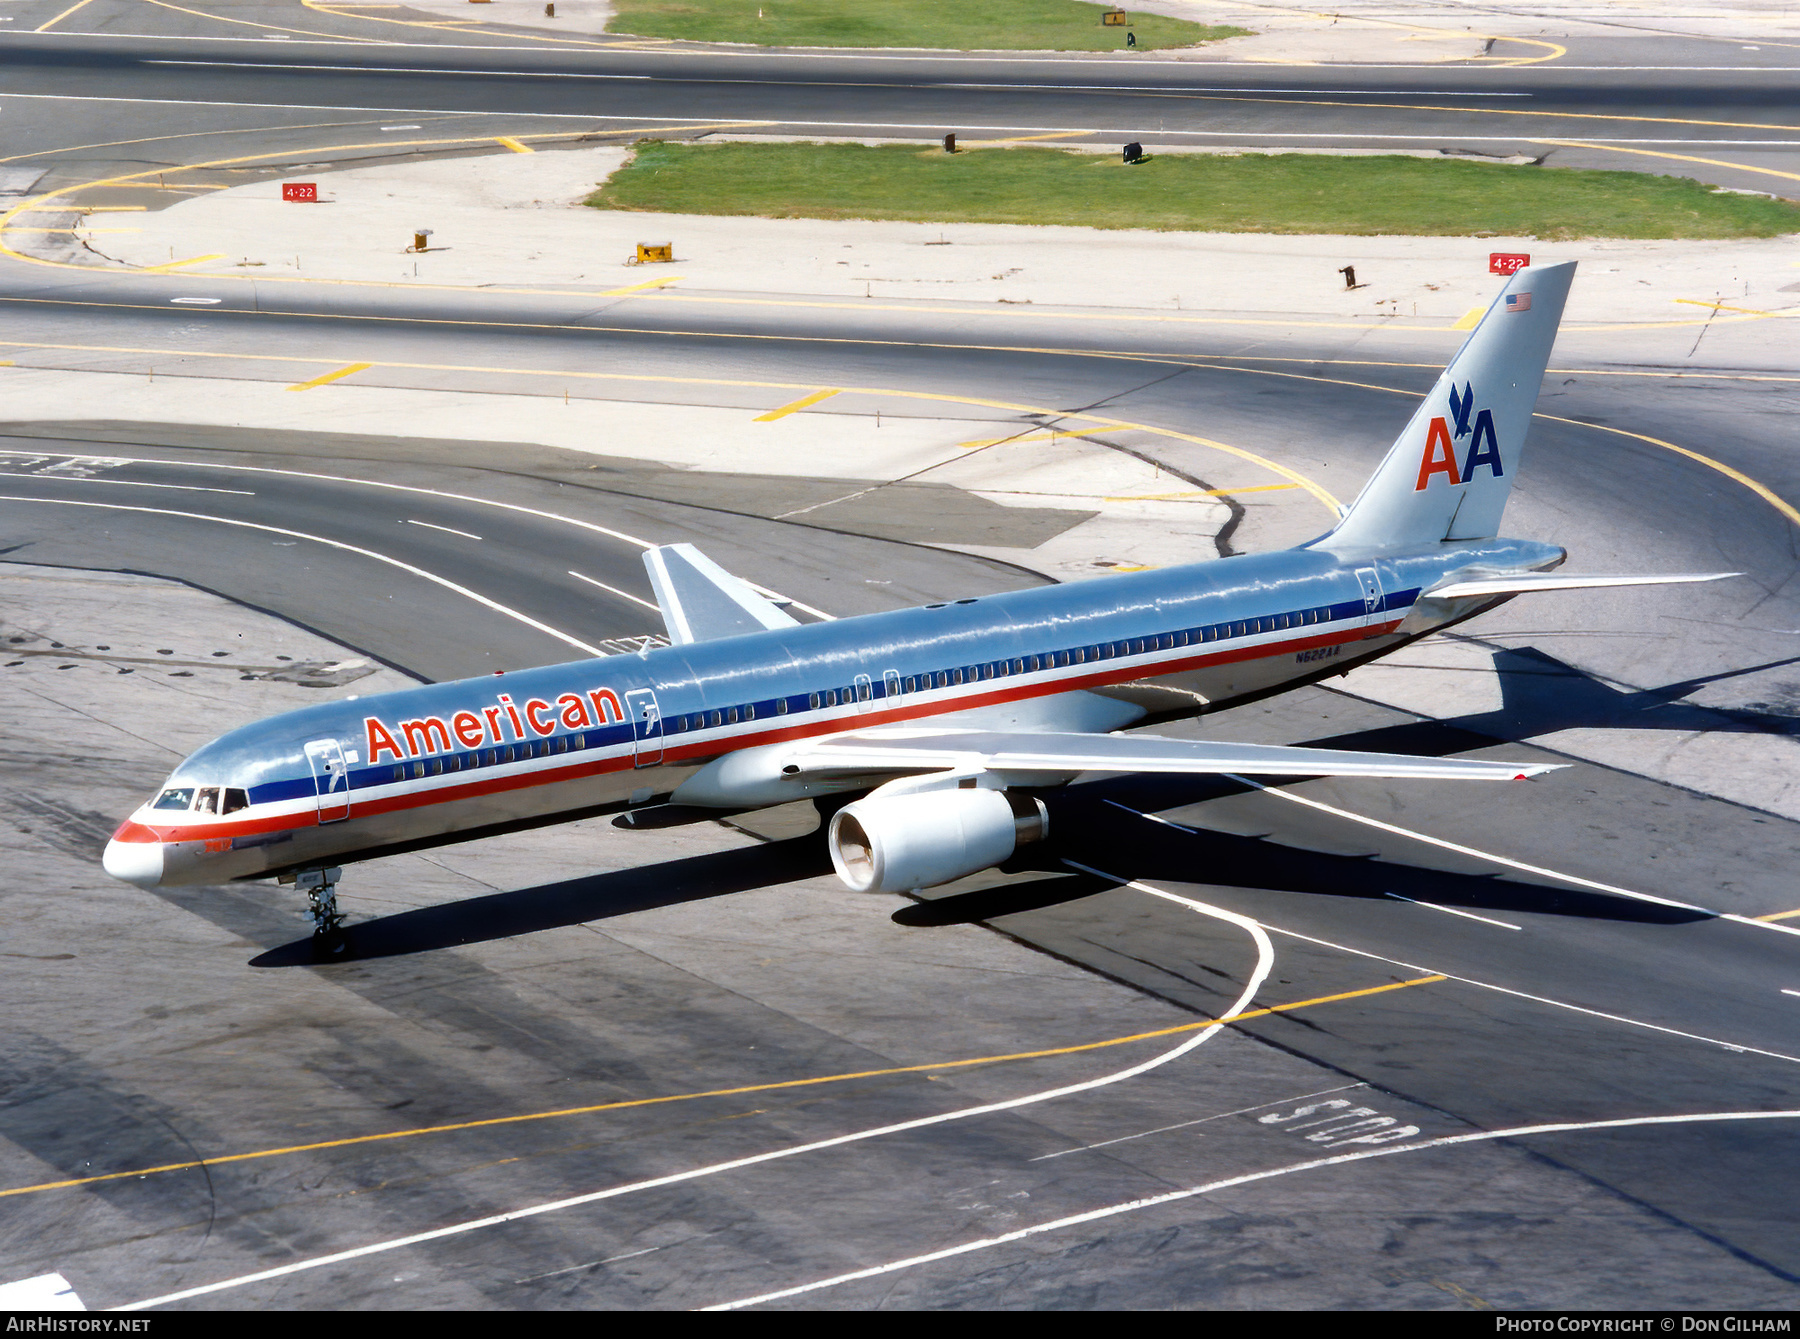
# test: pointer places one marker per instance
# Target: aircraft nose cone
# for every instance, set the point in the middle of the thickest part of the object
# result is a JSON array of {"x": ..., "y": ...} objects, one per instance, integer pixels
[{"x": 134, "y": 862}]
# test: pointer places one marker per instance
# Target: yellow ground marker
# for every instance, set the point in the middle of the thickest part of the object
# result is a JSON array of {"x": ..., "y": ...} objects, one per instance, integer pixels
[
  {"x": 1723, "y": 307},
  {"x": 795, "y": 406},
  {"x": 1470, "y": 319},
  {"x": 640, "y": 288},
  {"x": 330, "y": 377},
  {"x": 177, "y": 264},
  {"x": 724, "y": 1092},
  {"x": 513, "y": 144},
  {"x": 44, "y": 28},
  {"x": 1778, "y": 916}
]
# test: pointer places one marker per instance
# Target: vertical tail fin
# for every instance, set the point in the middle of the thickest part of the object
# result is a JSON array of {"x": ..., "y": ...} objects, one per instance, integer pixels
[{"x": 1448, "y": 474}]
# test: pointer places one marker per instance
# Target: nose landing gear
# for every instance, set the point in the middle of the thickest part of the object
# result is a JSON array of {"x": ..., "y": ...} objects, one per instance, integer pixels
[{"x": 320, "y": 885}]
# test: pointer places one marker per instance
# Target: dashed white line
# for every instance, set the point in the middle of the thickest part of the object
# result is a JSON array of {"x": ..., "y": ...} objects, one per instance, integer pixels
[
  {"x": 432, "y": 577},
  {"x": 1460, "y": 849},
  {"x": 778, "y": 598},
  {"x": 446, "y": 529},
  {"x": 130, "y": 483},
  {"x": 614, "y": 590},
  {"x": 1472, "y": 981},
  {"x": 1453, "y": 911}
]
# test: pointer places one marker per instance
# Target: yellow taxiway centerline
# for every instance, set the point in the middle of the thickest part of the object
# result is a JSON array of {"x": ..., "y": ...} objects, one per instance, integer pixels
[{"x": 725, "y": 1092}]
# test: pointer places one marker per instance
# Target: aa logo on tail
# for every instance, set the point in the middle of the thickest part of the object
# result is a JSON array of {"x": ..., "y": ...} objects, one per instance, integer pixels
[{"x": 1440, "y": 451}]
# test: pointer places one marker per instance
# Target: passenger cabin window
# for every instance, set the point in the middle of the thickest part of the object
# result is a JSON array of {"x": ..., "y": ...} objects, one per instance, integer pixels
[
  {"x": 781, "y": 706},
  {"x": 176, "y": 797}
]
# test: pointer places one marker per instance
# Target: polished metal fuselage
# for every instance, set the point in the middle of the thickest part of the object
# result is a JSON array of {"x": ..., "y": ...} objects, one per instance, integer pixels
[{"x": 1096, "y": 656}]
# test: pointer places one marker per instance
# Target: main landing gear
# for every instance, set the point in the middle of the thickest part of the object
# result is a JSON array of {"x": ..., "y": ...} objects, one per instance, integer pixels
[{"x": 320, "y": 886}]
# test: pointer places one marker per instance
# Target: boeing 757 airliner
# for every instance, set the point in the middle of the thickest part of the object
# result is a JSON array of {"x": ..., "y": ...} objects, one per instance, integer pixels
[{"x": 954, "y": 718}]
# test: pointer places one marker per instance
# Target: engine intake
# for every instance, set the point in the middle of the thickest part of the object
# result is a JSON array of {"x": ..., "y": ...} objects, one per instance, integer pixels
[{"x": 896, "y": 843}]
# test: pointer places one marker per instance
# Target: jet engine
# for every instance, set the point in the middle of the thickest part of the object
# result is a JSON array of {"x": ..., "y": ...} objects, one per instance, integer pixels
[{"x": 896, "y": 843}]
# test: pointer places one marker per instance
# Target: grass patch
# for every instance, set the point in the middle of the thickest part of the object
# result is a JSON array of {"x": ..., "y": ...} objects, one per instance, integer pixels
[
  {"x": 988, "y": 25},
  {"x": 1275, "y": 193}
]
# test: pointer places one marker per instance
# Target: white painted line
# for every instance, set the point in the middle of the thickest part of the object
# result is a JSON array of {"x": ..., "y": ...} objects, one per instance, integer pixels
[
  {"x": 778, "y": 598},
  {"x": 1485, "y": 920},
  {"x": 376, "y": 483},
  {"x": 1247, "y": 90},
  {"x": 1265, "y": 961},
  {"x": 1131, "y": 1206},
  {"x": 446, "y": 529},
  {"x": 127, "y": 483},
  {"x": 1164, "y": 1129},
  {"x": 1539, "y": 999},
  {"x": 1786, "y": 991},
  {"x": 389, "y": 128},
  {"x": 486, "y": 74},
  {"x": 1470, "y": 850},
  {"x": 1515, "y": 864},
  {"x": 614, "y": 590},
  {"x": 1488, "y": 985},
  {"x": 931, "y": 126},
  {"x": 432, "y": 577},
  {"x": 1511, "y": 64},
  {"x": 196, "y": 302}
]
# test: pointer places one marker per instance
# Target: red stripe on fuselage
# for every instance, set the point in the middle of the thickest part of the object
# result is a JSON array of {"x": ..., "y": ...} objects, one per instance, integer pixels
[{"x": 701, "y": 752}]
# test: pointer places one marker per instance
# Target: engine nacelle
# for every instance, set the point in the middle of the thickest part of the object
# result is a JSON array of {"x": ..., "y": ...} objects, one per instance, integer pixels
[{"x": 896, "y": 843}]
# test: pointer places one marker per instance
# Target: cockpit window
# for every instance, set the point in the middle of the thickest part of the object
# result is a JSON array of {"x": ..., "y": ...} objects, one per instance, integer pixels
[
  {"x": 176, "y": 797},
  {"x": 208, "y": 803},
  {"x": 235, "y": 800}
]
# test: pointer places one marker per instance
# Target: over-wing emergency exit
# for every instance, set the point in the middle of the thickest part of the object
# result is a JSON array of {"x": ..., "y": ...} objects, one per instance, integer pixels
[{"x": 950, "y": 722}]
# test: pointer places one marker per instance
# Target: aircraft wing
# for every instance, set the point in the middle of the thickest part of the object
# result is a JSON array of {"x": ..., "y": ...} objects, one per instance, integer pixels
[
  {"x": 1523, "y": 582},
  {"x": 885, "y": 752},
  {"x": 701, "y": 601}
]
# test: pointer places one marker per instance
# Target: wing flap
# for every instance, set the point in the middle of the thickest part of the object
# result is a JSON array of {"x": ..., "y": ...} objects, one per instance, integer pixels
[
  {"x": 876, "y": 752},
  {"x": 701, "y": 601}
]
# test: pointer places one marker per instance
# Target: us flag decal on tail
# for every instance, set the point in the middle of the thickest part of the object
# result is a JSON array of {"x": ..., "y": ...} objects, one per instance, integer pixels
[{"x": 1518, "y": 302}]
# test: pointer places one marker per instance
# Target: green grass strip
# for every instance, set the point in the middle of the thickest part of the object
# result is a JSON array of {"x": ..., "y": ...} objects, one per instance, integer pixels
[
  {"x": 1274, "y": 193},
  {"x": 957, "y": 25}
]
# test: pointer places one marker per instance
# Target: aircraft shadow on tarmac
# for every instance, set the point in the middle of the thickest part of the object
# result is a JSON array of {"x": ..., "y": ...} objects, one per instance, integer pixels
[
  {"x": 1108, "y": 836},
  {"x": 571, "y": 902},
  {"x": 1540, "y": 695}
]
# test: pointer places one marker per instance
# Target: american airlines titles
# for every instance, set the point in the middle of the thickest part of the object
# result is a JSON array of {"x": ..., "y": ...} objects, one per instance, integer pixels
[{"x": 504, "y": 723}]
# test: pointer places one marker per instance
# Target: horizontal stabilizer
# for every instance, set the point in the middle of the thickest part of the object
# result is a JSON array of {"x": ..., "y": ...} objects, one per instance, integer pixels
[
  {"x": 1523, "y": 582},
  {"x": 702, "y": 602},
  {"x": 874, "y": 752}
]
